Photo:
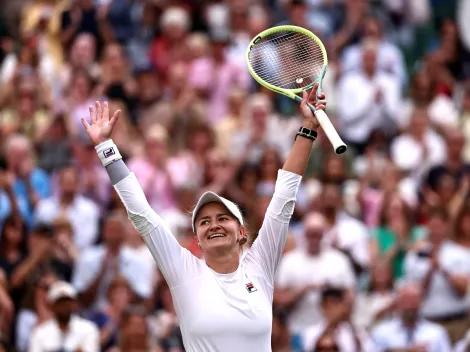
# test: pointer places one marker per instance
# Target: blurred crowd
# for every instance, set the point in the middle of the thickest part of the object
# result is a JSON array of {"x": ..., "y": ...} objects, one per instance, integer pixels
[{"x": 378, "y": 256}]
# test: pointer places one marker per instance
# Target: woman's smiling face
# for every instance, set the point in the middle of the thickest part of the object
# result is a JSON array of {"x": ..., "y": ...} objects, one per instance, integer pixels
[{"x": 217, "y": 230}]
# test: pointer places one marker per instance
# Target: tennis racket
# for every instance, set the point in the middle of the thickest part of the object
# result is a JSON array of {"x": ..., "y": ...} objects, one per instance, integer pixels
[{"x": 289, "y": 60}]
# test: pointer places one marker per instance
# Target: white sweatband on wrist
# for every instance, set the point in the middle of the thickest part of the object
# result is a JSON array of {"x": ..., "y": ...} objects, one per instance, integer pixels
[{"x": 108, "y": 152}]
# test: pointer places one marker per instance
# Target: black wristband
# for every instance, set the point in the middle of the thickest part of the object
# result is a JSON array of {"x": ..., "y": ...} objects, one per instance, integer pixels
[{"x": 307, "y": 133}]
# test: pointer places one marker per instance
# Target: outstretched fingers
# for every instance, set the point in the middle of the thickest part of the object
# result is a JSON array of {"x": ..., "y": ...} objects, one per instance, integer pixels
[
  {"x": 106, "y": 110},
  {"x": 92, "y": 114},
  {"x": 114, "y": 118},
  {"x": 85, "y": 123},
  {"x": 99, "y": 111}
]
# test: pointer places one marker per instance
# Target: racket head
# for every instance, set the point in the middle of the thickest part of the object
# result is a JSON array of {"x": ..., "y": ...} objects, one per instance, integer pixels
[{"x": 287, "y": 59}]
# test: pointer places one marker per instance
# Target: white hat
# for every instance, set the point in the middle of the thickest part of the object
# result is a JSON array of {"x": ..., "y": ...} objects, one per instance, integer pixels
[
  {"x": 210, "y": 197},
  {"x": 61, "y": 289}
]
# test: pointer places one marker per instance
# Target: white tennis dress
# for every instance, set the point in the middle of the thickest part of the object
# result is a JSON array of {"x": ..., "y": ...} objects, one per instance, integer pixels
[{"x": 219, "y": 312}]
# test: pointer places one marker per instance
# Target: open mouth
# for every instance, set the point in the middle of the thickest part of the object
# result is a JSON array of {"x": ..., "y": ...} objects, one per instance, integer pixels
[{"x": 216, "y": 235}]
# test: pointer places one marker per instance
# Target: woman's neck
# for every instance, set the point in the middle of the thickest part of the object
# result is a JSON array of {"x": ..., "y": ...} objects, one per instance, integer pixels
[{"x": 224, "y": 264}]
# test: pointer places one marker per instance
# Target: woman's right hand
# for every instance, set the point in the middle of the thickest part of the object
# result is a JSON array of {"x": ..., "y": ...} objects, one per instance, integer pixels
[{"x": 101, "y": 125}]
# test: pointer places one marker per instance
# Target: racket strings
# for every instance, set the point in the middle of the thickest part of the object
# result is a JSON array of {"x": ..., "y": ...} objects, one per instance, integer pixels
[{"x": 289, "y": 60}]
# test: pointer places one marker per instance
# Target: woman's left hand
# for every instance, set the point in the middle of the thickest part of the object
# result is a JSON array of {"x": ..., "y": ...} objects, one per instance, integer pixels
[{"x": 311, "y": 97}]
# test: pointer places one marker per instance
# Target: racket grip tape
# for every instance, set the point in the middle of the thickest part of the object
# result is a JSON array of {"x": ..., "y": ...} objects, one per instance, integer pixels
[{"x": 330, "y": 130}]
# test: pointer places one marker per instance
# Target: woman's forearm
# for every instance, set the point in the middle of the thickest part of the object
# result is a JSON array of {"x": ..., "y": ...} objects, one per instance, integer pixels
[{"x": 298, "y": 157}]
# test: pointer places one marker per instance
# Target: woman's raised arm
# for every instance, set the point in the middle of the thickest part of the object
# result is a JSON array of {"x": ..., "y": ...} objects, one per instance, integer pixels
[{"x": 171, "y": 258}]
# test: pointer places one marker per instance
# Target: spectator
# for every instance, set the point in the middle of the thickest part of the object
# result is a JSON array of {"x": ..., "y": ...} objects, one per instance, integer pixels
[
  {"x": 35, "y": 309},
  {"x": 30, "y": 184},
  {"x": 98, "y": 265},
  {"x": 108, "y": 319},
  {"x": 409, "y": 330},
  {"x": 82, "y": 213},
  {"x": 336, "y": 305},
  {"x": 377, "y": 301},
  {"x": 441, "y": 266},
  {"x": 380, "y": 96},
  {"x": 345, "y": 233},
  {"x": 303, "y": 273},
  {"x": 65, "y": 331}
]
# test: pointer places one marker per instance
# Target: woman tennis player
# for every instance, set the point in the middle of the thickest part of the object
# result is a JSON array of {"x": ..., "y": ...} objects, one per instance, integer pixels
[{"x": 224, "y": 302}]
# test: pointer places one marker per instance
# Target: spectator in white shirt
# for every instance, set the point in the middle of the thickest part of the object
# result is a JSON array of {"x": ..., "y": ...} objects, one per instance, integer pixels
[
  {"x": 303, "y": 271},
  {"x": 344, "y": 232},
  {"x": 66, "y": 331},
  {"x": 98, "y": 265},
  {"x": 374, "y": 106},
  {"x": 442, "y": 267},
  {"x": 82, "y": 212},
  {"x": 408, "y": 331},
  {"x": 389, "y": 57},
  {"x": 336, "y": 307},
  {"x": 416, "y": 151}
]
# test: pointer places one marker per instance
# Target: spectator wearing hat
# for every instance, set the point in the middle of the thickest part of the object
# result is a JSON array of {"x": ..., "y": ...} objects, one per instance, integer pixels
[{"x": 65, "y": 331}]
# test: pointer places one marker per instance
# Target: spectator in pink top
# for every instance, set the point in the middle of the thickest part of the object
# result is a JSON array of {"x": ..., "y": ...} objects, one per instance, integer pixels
[
  {"x": 151, "y": 169},
  {"x": 215, "y": 76}
]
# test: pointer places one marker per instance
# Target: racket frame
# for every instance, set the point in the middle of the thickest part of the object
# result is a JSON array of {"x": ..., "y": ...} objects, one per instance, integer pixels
[{"x": 338, "y": 144}]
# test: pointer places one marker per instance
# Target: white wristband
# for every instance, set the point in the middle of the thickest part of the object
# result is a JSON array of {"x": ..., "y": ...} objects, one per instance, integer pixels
[{"x": 108, "y": 152}]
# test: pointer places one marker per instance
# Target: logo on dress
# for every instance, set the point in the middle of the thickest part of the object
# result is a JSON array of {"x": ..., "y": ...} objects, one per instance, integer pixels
[
  {"x": 250, "y": 287},
  {"x": 109, "y": 152}
]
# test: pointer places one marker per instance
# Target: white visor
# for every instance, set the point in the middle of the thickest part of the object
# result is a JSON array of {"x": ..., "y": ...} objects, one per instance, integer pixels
[{"x": 210, "y": 197}]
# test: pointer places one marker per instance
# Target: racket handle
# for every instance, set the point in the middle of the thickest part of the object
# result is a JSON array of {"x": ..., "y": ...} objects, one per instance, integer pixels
[{"x": 330, "y": 131}]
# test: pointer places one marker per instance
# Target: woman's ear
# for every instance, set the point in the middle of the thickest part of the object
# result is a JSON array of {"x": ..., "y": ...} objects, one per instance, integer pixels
[{"x": 243, "y": 237}]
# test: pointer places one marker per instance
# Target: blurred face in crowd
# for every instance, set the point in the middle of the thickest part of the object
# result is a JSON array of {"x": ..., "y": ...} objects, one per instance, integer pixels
[
  {"x": 438, "y": 228},
  {"x": 421, "y": 87},
  {"x": 12, "y": 234},
  {"x": 331, "y": 197},
  {"x": 381, "y": 277},
  {"x": 119, "y": 294},
  {"x": 334, "y": 168},
  {"x": 327, "y": 343},
  {"x": 83, "y": 51},
  {"x": 26, "y": 99},
  {"x": 149, "y": 87},
  {"x": 177, "y": 77},
  {"x": 134, "y": 333},
  {"x": 330, "y": 304},
  {"x": 157, "y": 150},
  {"x": 297, "y": 13},
  {"x": 259, "y": 116},
  {"x": 200, "y": 142},
  {"x": 215, "y": 219},
  {"x": 63, "y": 309},
  {"x": 18, "y": 149},
  {"x": 217, "y": 162},
  {"x": 270, "y": 164},
  {"x": 372, "y": 29},
  {"x": 114, "y": 58},
  {"x": 68, "y": 180},
  {"x": 315, "y": 226},
  {"x": 446, "y": 187},
  {"x": 409, "y": 302},
  {"x": 114, "y": 231},
  {"x": 81, "y": 86},
  {"x": 395, "y": 209}
]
